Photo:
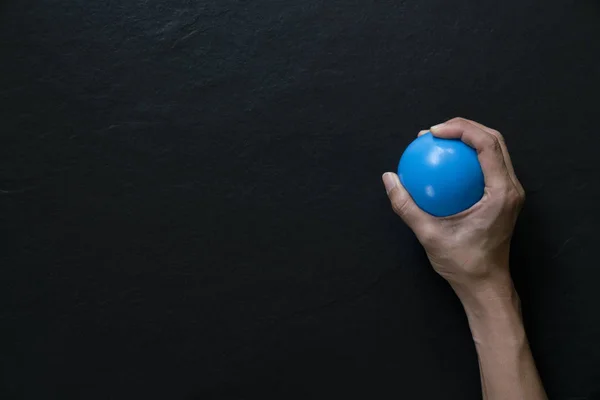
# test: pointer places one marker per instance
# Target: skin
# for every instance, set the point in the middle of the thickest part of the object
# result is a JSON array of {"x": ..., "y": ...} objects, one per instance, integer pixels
[{"x": 470, "y": 250}]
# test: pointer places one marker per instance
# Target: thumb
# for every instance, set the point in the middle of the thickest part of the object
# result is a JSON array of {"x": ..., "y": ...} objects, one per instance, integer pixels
[{"x": 402, "y": 202}]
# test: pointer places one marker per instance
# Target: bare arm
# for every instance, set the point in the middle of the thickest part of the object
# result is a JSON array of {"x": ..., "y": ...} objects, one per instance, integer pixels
[
  {"x": 505, "y": 361},
  {"x": 470, "y": 250}
]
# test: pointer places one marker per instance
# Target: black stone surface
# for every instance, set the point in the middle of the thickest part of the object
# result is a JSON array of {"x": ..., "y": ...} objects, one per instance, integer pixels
[{"x": 191, "y": 203}]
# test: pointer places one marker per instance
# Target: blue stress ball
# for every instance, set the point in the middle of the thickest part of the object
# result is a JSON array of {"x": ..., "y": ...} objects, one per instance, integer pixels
[{"x": 443, "y": 176}]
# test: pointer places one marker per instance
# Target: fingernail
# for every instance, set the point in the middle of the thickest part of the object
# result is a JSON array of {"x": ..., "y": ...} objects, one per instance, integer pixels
[
  {"x": 438, "y": 126},
  {"x": 389, "y": 181}
]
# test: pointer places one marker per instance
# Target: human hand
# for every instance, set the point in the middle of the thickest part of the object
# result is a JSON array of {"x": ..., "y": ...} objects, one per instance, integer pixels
[{"x": 470, "y": 249}]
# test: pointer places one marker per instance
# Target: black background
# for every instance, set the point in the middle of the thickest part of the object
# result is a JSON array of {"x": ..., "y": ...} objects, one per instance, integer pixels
[{"x": 192, "y": 206}]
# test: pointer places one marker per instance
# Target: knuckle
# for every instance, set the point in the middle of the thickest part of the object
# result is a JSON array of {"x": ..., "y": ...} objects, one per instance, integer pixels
[
  {"x": 497, "y": 135},
  {"x": 461, "y": 123},
  {"x": 496, "y": 144},
  {"x": 400, "y": 205},
  {"x": 521, "y": 197},
  {"x": 464, "y": 124},
  {"x": 493, "y": 144},
  {"x": 514, "y": 198}
]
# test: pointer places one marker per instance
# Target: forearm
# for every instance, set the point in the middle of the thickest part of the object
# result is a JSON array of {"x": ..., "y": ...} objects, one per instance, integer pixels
[
  {"x": 507, "y": 367},
  {"x": 471, "y": 251}
]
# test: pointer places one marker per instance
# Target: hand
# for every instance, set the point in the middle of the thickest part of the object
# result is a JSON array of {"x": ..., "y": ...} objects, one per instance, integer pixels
[{"x": 470, "y": 249}]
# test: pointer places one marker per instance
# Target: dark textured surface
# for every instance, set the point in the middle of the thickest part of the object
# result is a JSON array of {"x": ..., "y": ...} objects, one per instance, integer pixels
[{"x": 192, "y": 207}]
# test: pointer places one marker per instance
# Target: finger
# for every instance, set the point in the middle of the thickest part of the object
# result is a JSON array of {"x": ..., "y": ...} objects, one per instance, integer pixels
[
  {"x": 487, "y": 146},
  {"x": 403, "y": 204},
  {"x": 421, "y": 133},
  {"x": 505, "y": 153}
]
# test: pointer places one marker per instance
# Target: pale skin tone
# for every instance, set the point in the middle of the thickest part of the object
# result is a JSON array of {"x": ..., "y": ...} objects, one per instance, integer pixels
[{"x": 470, "y": 250}]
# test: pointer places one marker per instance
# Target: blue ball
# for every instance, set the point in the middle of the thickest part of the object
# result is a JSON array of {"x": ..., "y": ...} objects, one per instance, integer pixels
[{"x": 443, "y": 176}]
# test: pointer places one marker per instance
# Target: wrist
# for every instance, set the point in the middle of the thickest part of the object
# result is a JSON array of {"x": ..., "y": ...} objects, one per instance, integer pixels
[
  {"x": 493, "y": 310},
  {"x": 493, "y": 292},
  {"x": 492, "y": 304}
]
